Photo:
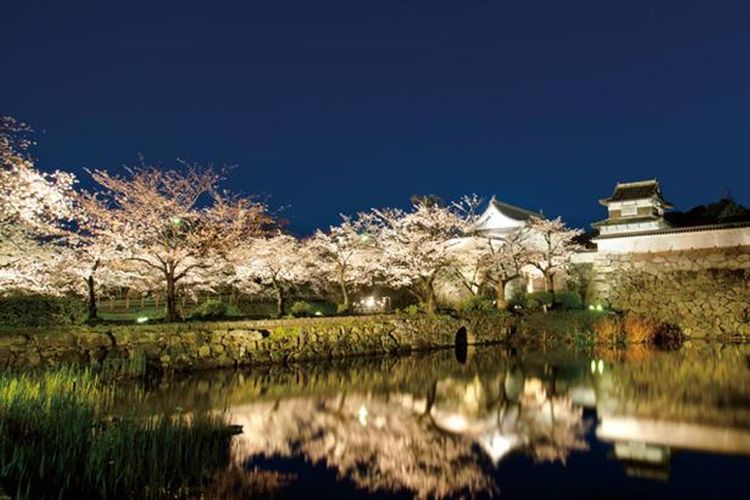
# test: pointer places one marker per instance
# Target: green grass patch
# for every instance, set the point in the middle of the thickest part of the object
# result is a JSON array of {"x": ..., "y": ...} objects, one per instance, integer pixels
[{"x": 60, "y": 438}]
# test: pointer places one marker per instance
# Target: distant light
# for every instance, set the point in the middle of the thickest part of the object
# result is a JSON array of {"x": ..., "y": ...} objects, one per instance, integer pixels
[
  {"x": 370, "y": 302},
  {"x": 454, "y": 423},
  {"x": 601, "y": 366},
  {"x": 362, "y": 415},
  {"x": 142, "y": 319},
  {"x": 593, "y": 366},
  {"x": 599, "y": 307},
  {"x": 592, "y": 307},
  {"x": 318, "y": 313}
]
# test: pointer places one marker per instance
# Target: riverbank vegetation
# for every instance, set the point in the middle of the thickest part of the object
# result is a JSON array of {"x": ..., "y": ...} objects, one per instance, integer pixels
[
  {"x": 581, "y": 328},
  {"x": 62, "y": 436}
]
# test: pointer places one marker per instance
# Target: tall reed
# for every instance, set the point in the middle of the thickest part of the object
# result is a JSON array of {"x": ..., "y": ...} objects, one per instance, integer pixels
[{"x": 59, "y": 438}]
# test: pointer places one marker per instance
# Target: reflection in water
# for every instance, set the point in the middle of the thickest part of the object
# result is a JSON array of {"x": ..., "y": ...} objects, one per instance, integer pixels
[{"x": 435, "y": 425}]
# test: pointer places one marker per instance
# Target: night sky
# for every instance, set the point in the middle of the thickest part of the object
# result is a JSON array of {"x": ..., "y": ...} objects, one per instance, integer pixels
[{"x": 332, "y": 107}]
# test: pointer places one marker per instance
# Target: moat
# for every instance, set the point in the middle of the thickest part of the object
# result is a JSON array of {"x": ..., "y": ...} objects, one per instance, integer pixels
[{"x": 485, "y": 422}]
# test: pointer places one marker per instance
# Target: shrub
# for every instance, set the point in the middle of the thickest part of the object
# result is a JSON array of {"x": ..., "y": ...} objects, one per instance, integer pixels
[
  {"x": 41, "y": 310},
  {"x": 517, "y": 301},
  {"x": 668, "y": 336},
  {"x": 412, "y": 309},
  {"x": 568, "y": 301},
  {"x": 302, "y": 309},
  {"x": 209, "y": 310},
  {"x": 638, "y": 329},
  {"x": 477, "y": 303},
  {"x": 536, "y": 300},
  {"x": 608, "y": 330}
]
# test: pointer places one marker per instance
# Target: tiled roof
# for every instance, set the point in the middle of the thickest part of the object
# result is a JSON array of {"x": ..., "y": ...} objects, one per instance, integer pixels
[
  {"x": 636, "y": 191},
  {"x": 626, "y": 220},
  {"x": 512, "y": 211}
]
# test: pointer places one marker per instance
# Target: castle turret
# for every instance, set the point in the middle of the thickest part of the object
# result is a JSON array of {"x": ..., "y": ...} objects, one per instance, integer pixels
[{"x": 634, "y": 207}]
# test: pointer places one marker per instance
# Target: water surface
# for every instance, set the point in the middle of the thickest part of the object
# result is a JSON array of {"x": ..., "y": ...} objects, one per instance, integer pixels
[{"x": 489, "y": 422}]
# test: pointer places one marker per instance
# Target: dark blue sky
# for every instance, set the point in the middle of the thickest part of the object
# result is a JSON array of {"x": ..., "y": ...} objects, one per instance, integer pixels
[{"x": 338, "y": 106}]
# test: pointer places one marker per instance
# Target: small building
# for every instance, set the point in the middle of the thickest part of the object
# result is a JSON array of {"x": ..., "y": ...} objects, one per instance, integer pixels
[
  {"x": 500, "y": 219},
  {"x": 636, "y": 224},
  {"x": 634, "y": 207}
]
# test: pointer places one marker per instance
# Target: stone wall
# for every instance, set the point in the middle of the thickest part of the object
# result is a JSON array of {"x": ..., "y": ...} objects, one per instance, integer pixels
[
  {"x": 193, "y": 346},
  {"x": 706, "y": 292}
]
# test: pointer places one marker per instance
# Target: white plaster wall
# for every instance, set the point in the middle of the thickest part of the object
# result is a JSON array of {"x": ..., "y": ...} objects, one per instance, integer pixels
[
  {"x": 716, "y": 238},
  {"x": 494, "y": 220}
]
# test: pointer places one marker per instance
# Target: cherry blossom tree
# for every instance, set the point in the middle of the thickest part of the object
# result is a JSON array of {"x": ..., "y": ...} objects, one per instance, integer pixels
[
  {"x": 173, "y": 221},
  {"x": 553, "y": 245},
  {"x": 346, "y": 255},
  {"x": 494, "y": 261},
  {"x": 277, "y": 263},
  {"x": 417, "y": 245},
  {"x": 34, "y": 205}
]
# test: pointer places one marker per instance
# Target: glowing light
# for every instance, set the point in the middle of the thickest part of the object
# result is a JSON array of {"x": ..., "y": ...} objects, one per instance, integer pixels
[
  {"x": 454, "y": 423},
  {"x": 497, "y": 445},
  {"x": 599, "y": 307},
  {"x": 142, "y": 319},
  {"x": 601, "y": 366},
  {"x": 593, "y": 366},
  {"x": 318, "y": 313},
  {"x": 362, "y": 415},
  {"x": 591, "y": 307}
]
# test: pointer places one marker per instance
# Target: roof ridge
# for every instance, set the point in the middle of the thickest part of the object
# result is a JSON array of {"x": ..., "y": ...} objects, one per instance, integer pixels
[
  {"x": 515, "y": 207},
  {"x": 637, "y": 183}
]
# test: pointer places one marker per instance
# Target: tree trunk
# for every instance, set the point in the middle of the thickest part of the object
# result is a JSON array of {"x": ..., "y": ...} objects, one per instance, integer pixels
[
  {"x": 280, "y": 301},
  {"x": 549, "y": 282},
  {"x": 171, "y": 297},
  {"x": 430, "y": 300},
  {"x": 344, "y": 306},
  {"x": 93, "y": 314},
  {"x": 500, "y": 295}
]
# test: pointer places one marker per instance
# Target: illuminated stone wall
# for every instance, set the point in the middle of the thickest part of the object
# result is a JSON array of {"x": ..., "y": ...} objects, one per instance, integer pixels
[
  {"x": 194, "y": 346},
  {"x": 706, "y": 292}
]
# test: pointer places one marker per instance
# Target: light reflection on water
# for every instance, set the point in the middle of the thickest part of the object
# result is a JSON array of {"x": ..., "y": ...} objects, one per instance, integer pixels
[{"x": 496, "y": 424}]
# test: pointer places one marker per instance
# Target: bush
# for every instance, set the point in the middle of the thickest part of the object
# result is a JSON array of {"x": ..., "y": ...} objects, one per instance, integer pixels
[
  {"x": 638, "y": 329},
  {"x": 668, "y": 336},
  {"x": 633, "y": 329},
  {"x": 302, "y": 309},
  {"x": 608, "y": 330},
  {"x": 209, "y": 310},
  {"x": 413, "y": 309},
  {"x": 517, "y": 301},
  {"x": 568, "y": 301},
  {"x": 536, "y": 300},
  {"x": 477, "y": 304},
  {"x": 41, "y": 310}
]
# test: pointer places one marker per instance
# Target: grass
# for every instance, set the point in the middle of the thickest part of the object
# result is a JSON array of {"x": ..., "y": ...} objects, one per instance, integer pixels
[
  {"x": 566, "y": 327},
  {"x": 59, "y": 438}
]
